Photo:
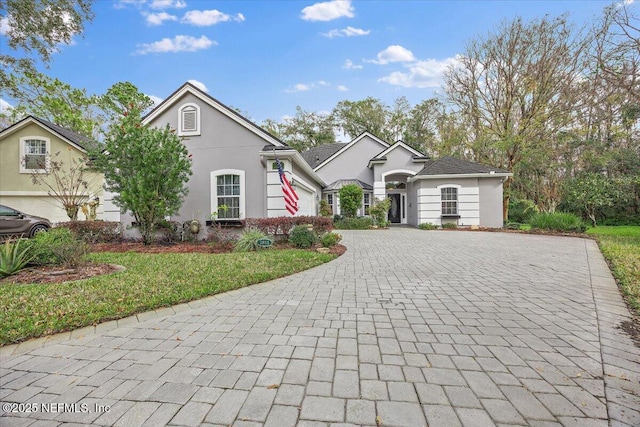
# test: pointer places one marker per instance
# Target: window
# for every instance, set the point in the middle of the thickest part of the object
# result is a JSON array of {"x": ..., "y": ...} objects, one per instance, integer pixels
[
  {"x": 330, "y": 202},
  {"x": 449, "y": 201},
  {"x": 228, "y": 194},
  {"x": 33, "y": 154},
  {"x": 366, "y": 202},
  {"x": 189, "y": 120}
]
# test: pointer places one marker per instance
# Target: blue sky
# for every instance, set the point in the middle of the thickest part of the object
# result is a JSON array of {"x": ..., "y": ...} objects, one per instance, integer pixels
[{"x": 267, "y": 57}]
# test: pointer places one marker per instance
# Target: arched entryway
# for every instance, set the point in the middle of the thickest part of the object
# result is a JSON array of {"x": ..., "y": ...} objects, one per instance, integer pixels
[{"x": 394, "y": 187}]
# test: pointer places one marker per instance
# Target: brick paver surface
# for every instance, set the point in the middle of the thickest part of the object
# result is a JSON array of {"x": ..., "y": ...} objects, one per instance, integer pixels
[{"x": 408, "y": 328}]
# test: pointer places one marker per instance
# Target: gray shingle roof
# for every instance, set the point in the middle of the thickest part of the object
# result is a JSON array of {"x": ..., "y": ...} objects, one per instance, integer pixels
[
  {"x": 336, "y": 185},
  {"x": 316, "y": 155},
  {"x": 76, "y": 138},
  {"x": 451, "y": 166}
]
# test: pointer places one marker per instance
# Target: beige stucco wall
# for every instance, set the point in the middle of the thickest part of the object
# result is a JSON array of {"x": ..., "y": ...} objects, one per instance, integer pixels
[{"x": 17, "y": 189}]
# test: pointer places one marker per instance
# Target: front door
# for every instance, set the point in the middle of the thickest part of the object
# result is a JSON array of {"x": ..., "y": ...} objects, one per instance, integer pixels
[{"x": 395, "y": 213}]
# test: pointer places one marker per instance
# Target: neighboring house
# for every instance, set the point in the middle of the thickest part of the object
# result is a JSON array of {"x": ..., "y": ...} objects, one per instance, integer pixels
[
  {"x": 421, "y": 189},
  {"x": 24, "y": 149}
]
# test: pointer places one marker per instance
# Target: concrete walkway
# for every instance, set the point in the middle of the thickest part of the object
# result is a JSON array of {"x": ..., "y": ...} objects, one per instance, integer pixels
[{"x": 408, "y": 328}]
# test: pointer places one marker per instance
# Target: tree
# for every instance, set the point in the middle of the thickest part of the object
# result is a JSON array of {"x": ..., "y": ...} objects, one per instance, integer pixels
[
  {"x": 589, "y": 194},
  {"x": 148, "y": 168},
  {"x": 55, "y": 101},
  {"x": 516, "y": 88},
  {"x": 350, "y": 199},
  {"x": 70, "y": 186},
  {"x": 303, "y": 131},
  {"x": 38, "y": 27},
  {"x": 367, "y": 115}
]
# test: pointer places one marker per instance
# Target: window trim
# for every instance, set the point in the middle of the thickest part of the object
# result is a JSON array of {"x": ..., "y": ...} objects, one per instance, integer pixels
[
  {"x": 23, "y": 144},
  {"x": 457, "y": 201},
  {"x": 214, "y": 192},
  {"x": 330, "y": 203},
  {"x": 366, "y": 205},
  {"x": 181, "y": 131}
]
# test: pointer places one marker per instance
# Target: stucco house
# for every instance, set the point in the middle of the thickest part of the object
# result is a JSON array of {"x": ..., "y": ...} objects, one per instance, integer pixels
[
  {"x": 25, "y": 148},
  {"x": 234, "y": 165},
  {"x": 233, "y": 161}
]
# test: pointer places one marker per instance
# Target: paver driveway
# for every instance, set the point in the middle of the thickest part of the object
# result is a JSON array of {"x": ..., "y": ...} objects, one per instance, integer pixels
[{"x": 408, "y": 328}]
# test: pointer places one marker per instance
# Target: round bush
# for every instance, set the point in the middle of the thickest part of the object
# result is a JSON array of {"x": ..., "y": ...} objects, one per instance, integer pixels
[
  {"x": 330, "y": 239},
  {"x": 302, "y": 237}
]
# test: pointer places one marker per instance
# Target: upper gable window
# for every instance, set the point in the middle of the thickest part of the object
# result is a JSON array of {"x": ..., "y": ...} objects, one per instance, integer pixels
[
  {"x": 189, "y": 120},
  {"x": 33, "y": 154}
]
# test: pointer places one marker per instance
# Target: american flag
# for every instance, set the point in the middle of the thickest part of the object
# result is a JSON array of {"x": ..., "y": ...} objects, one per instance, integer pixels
[{"x": 290, "y": 196}]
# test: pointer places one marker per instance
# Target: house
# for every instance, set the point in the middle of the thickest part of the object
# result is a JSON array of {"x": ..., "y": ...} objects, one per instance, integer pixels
[
  {"x": 234, "y": 167},
  {"x": 422, "y": 190},
  {"x": 25, "y": 148},
  {"x": 234, "y": 161}
]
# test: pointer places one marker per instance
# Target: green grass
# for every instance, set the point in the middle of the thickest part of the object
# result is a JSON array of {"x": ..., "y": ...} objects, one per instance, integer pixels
[
  {"x": 621, "y": 247},
  {"x": 150, "y": 281}
]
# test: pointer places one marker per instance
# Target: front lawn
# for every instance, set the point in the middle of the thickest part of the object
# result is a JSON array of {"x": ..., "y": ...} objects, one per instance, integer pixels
[
  {"x": 621, "y": 247},
  {"x": 150, "y": 281}
]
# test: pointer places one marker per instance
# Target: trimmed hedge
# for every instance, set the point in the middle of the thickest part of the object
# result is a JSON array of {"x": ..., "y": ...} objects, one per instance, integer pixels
[{"x": 280, "y": 227}]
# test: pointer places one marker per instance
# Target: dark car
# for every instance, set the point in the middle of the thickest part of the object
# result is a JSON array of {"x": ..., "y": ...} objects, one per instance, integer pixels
[{"x": 19, "y": 223}]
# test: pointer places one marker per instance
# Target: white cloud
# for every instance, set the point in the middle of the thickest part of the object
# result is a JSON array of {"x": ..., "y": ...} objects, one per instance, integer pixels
[
  {"x": 4, "y": 25},
  {"x": 199, "y": 85},
  {"x": 349, "y": 65},
  {"x": 299, "y": 87},
  {"x": 328, "y": 11},
  {"x": 159, "y": 18},
  {"x": 342, "y": 88},
  {"x": 394, "y": 53},
  {"x": 205, "y": 18},
  {"x": 177, "y": 44},
  {"x": 304, "y": 87},
  {"x": 421, "y": 74},
  {"x": 166, "y": 4},
  {"x": 121, "y": 4},
  {"x": 5, "y": 106},
  {"x": 347, "y": 32}
]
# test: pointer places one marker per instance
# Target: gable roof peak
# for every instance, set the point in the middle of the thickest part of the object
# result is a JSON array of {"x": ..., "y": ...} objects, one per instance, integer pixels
[{"x": 81, "y": 141}]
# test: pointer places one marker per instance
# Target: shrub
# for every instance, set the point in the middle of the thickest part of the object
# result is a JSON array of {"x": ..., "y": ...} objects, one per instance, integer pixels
[
  {"x": 330, "y": 239},
  {"x": 96, "y": 231},
  {"x": 302, "y": 237},
  {"x": 521, "y": 210},
  {"x": 427, "y": 226},
  {"x": 170, "y": 231},
  {"x": 12, "y": 257},
  {"x": 449, "y": 226},
  {"x": 350, "y": 199},
  {"x": 325, "y": 208},
  {"x": 360, "y": 223},
  {"x": 281, "y": 226},
  {"x": 379, "y": 212},
  {"x": 248, "y": 240},
  {"x": 57, "y": 246},
  {"x": 221, "y": 236},
  {"x": 558, "y": 221}
]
